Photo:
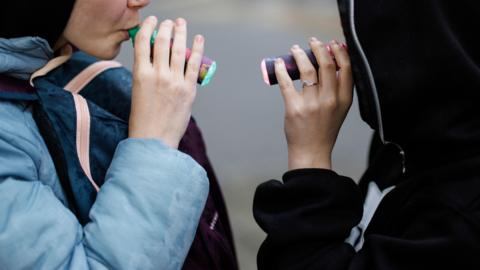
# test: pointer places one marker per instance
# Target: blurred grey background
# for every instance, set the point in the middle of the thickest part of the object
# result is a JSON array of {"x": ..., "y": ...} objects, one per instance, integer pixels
[{"x": 241, "y": 117}]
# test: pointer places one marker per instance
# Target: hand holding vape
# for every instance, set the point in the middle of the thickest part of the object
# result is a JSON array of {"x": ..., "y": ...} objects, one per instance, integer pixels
[
  {"x": 268, "y": 66},
  {"x": 207, "y": 69}
]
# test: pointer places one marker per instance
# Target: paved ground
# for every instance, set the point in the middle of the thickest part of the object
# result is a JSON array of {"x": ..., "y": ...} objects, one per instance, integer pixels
[{"x": 241, "y": 118}]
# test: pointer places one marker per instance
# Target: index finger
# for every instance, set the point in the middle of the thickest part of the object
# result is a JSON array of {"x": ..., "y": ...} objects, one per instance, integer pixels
[
  {"x": 284, "y": 81},
  {"x": 142, "y": 41}
]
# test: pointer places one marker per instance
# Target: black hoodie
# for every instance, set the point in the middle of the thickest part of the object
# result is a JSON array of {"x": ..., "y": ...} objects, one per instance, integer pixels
[{"x": 417, "y": 72}]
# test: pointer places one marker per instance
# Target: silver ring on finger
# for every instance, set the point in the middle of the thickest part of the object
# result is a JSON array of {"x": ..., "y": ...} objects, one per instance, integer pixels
[{"x": 307, "y": 83}]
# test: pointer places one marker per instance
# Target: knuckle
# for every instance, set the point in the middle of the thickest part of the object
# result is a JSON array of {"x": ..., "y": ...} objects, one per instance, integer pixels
[
  {"x": 177, "y": 87},
  {"x": 165, "y": 80},
  {"x": 297, "y": 110},
  {"x": 294, "y": 113},
  {"x": 328, "y": 65},
  {"x": 346, "y": 64},
  {"x": 312, "y": 108},
  {"x": 310, "y": 72},
  {"x": 141, "y": 36},
  {"x": 163, "y": 39},
  {"x": 194, "y": 60},
  {"x": 196, "y": 55},
  {"x": 142, "y": 73},
  {"x": 184, "y": 94},
  {"x": 193, "y": 67},
  {"x": 177, "y": 52},
  {"x": 285, "y": 84},
  {"x": 331, "y": 103}
]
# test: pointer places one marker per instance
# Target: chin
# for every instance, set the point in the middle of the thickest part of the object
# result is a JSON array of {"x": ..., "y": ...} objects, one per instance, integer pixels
[{"x": 105, "y": 52}]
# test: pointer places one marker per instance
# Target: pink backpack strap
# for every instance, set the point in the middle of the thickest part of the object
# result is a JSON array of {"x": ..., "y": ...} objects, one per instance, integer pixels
[
  {"x": 88, "y": 74},
  {"x": 65, "y": 54},
  {"x": 83, "y": 114}
]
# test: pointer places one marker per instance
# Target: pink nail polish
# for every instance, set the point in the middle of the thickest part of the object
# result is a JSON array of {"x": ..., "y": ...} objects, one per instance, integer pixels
[
  {"x": 180, "y": 21},
  {"x": 329, "y": 49},
  {"x": 199, "y": 38}
]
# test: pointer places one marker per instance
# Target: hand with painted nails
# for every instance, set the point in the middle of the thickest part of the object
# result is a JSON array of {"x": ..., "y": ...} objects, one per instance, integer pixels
[
  {"x": 163, "y": 92},
  {"x": 314, "y": 115}
]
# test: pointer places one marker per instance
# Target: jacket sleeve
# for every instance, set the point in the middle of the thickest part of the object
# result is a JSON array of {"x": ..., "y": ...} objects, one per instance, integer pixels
[
  {"x": 145, "y": 215},
  {"x": 308, "y": 217}
]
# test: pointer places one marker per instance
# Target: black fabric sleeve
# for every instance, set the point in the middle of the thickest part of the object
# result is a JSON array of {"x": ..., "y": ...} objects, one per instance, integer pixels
[{"x": 307, "y": 218}]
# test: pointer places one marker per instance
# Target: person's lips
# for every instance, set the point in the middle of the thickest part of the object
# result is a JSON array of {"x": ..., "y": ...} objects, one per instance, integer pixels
[{"x": 126, "y": 35}]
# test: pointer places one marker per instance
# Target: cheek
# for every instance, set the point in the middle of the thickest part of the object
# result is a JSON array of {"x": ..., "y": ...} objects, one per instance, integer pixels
[
  {"x": 111, "y": 10},
  {"x": 95, "y": 29},
  {"x": 104, "y": 15}
]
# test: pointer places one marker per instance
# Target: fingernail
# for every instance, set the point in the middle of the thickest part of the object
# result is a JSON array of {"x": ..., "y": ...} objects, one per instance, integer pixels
[
  {"x": 199, "y": 38},
  {"x": 329, "y": 49},
  {"x": 168, "y": 22},
  {"x": 313, "y": 39},
  {"x": 295, "y": 47},
  {"x": 334, "y": 42},
  {"x": 279, "y": 61},
  {"x": 180, "y": 21},
  {"x": 152, "y": 19}
]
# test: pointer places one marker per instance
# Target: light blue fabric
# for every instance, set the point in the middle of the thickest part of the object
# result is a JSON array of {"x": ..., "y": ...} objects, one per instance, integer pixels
[
  {"x": 21, "y": 57},
  {"x": 145, "y": 215}
]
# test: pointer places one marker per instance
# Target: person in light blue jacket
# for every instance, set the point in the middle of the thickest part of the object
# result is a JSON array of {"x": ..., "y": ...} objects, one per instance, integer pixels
[{"x": 146, "y": 214}]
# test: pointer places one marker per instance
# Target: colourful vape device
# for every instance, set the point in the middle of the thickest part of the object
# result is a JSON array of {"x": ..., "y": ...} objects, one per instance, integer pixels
[
  {"x": 268, "y": 67},
  {"x": 207, "y": 69}
]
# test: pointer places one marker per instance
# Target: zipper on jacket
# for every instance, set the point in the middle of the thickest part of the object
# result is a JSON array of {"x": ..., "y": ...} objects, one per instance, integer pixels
[
  {"x": 83, "y": 136},
  {"x": 83, "y": 114},
  {"x": 378, "y": 110}
]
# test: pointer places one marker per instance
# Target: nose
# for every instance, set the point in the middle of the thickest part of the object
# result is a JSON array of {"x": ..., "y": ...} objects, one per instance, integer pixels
[{"x": 138, "y": 3}]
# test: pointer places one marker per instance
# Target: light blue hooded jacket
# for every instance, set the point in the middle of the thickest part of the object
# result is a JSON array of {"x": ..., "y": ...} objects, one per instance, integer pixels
[{"x": 145, "y": 215}]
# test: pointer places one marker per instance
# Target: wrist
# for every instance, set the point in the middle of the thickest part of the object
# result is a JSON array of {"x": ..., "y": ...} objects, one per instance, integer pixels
[
  {"x": 299, "y": 160},
  {"x": 173, "y": 143}
]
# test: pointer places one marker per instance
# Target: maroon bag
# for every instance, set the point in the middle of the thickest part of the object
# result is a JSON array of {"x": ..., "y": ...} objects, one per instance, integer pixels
[{"x": 213, "y": 246}]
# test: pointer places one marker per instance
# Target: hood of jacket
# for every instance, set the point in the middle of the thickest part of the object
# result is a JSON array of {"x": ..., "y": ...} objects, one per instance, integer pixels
[
  {"x": 21, "y": 57},
  {"x": 417, "y": 73}
]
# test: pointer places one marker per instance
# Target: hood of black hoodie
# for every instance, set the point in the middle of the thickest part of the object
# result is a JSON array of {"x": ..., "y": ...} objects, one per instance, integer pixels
[{"x": 417, "y": 73}]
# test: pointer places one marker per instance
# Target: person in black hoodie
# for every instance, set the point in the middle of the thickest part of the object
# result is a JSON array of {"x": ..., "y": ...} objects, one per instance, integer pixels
[{"x": 416, "y": 67}]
